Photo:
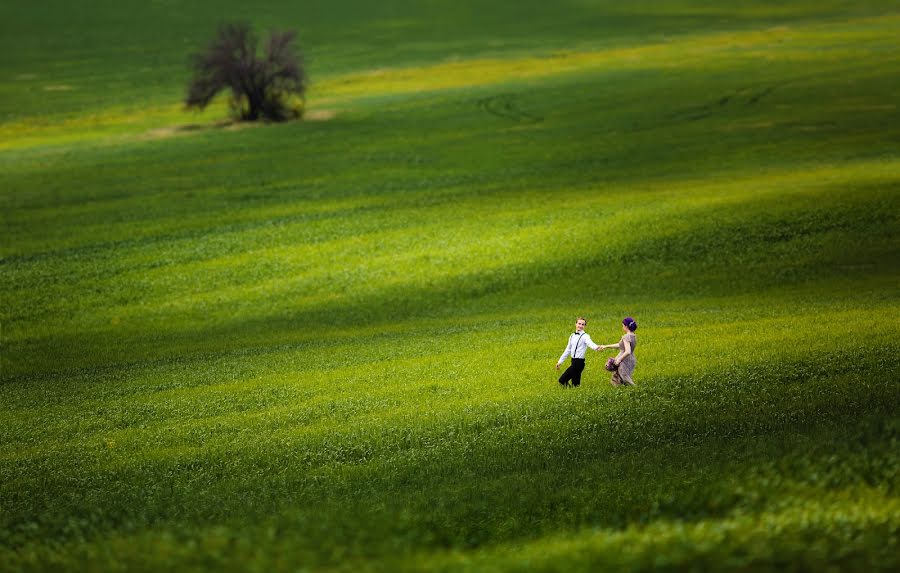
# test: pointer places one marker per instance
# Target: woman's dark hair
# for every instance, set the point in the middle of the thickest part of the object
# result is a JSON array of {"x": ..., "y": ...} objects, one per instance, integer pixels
[{"x": 630, "y": 323}]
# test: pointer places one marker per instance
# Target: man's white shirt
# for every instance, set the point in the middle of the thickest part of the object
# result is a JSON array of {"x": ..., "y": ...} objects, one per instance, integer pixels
[{"x": 577, "y": 346}]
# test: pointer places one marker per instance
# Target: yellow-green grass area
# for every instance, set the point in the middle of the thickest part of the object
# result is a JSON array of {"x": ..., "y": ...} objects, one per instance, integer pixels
[
  {"x": 330, "y": 345},
  {"x": 62, "y": 61},
  {"x": 837, "y": 44}
]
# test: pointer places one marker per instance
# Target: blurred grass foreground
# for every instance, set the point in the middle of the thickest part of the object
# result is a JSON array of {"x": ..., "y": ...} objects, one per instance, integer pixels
[{"x": 328, "y": 345}]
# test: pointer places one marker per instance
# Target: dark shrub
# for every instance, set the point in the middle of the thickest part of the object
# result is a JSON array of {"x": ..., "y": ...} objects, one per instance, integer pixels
[{"x": 270, "y": 85}]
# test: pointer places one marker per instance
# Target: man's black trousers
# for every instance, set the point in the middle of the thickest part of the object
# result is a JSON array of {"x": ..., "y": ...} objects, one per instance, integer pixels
[{"x": 573, "y": 373}]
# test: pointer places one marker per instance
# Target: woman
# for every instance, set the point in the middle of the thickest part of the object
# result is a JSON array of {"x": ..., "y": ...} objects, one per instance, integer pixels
[{"x": 624, "y": 360}]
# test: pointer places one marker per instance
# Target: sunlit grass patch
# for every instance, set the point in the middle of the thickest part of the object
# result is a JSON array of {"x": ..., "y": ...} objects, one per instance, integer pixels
[
  {"x": 808, "y": 534},
  {"x": 713, "y": 51}
]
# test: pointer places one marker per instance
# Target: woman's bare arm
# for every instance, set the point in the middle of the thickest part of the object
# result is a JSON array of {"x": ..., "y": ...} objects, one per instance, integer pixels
[{"x": 621, "y": 356}]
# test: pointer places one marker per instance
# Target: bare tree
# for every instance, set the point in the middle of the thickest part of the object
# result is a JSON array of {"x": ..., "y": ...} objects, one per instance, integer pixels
[{"x": 270, "y": 85}]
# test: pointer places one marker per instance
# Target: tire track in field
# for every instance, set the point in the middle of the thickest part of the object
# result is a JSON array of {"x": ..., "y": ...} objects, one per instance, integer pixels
[
  {"x": 745, "y": 96},
  {"x": 504, "y": 106}
]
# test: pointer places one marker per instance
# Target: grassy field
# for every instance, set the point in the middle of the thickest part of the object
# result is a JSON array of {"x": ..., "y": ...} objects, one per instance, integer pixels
[{"x": 329, "y": 344}]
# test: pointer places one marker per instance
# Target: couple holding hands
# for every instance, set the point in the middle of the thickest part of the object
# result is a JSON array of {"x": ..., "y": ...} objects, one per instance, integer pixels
[{"x": 622, "y": 366}]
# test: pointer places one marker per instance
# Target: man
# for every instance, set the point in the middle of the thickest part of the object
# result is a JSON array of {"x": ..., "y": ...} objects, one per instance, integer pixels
[{"x": 579, "y": 341}]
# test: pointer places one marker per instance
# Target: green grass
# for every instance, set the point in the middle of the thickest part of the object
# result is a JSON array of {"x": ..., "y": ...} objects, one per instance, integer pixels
[{"x": 329, "y": 345}]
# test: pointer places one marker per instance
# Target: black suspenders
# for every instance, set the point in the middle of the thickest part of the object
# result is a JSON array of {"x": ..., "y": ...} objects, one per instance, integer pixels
[{"x": 576, "y": 344}]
